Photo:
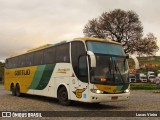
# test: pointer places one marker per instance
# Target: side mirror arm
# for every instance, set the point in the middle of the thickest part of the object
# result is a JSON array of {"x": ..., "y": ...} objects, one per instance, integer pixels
[{"x": 92, "y": 59}]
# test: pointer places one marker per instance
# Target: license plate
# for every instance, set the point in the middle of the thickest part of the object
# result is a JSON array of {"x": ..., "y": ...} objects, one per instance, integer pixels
[{"x": 114, "y": 98}]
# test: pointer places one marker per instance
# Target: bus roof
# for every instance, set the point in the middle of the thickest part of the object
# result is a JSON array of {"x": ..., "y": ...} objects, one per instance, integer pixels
[
  {"x": 62, "y": 42},
  {"x": 39, "y": 48},
  {"x": 97, "y": 39}
]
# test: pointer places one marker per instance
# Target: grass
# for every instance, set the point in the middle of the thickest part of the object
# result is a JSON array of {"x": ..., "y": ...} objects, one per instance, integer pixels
[{"x": 144, "y": 87}]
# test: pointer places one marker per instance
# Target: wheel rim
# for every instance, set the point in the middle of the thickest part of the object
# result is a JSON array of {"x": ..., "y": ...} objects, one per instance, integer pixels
[
  {"x": 17, "y": 90},
  {"x": 64, "y": 96}
]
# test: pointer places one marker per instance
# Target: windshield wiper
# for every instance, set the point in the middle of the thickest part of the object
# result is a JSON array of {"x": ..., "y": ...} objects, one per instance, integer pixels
[
  {"x": 112, "y": 67},
  {"x": 117, "y": 69}
]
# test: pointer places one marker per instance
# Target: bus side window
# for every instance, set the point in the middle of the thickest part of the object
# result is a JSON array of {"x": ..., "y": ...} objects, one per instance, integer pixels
[
  {"x": 23, "y": 61},
  {"x": 29, "y": 59},
  {"x": 49, "y": 55},
  {"x": 6, "y": 64},
  {"x": 15, "y": 61},
  {"x": 62, "y": 53},
  {"x": 38, "y": 57},
  {"x": 18, "y": 61},
  {"x": 77, "y": 51},
  {"x": 82, "y": 66},
  {"x": 9, "y": 63}
]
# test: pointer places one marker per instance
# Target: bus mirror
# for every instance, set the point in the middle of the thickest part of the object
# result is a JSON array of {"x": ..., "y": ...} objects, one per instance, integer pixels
[
  {"x": 92, "y": 59},
  {"x": 135, "y": 61}
]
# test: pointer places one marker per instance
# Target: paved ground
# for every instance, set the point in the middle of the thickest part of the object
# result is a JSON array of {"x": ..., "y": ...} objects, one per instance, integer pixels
[{"x": 139, "y": 101}]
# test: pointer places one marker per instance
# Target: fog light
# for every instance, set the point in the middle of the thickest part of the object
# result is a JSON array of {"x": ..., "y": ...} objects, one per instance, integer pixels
[
  {"x": 126, "y": 91},
  {"x": 97, "y": 91}
]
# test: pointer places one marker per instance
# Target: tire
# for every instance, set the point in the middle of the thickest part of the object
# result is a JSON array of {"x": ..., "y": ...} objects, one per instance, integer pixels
[
  {"x": 17, "y": 90},
  {"x": 63, "y": 96},
  {"x": 13, "y": 90},
  {"x": 95, "y": 104}
]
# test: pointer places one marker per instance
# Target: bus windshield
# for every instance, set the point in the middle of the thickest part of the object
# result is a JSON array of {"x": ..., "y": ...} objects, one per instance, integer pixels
[{"x": 111, "y": 65}]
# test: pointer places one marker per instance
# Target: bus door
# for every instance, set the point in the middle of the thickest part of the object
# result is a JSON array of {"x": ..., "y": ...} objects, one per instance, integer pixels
[{"x": 80, "y": 67}]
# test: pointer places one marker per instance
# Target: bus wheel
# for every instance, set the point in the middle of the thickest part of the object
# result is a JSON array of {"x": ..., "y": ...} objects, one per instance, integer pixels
[
  {"x": 13, "y": 90},
  {"x": 63, "y": 96},
  {"x": 18, "y": 93},
  {"x": 96, "y": 104}
]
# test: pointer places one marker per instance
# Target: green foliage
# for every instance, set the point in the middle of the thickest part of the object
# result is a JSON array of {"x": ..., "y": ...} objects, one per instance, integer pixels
[{"x": 143, "y": 87}]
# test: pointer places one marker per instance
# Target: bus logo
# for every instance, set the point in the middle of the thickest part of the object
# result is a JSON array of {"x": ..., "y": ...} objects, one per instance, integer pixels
[
  {"x": 22, "y": 72},
  {"x": 79, "y": 92}
]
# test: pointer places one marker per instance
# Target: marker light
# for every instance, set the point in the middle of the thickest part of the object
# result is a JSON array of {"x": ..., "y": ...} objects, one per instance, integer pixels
[{"x": 103, "y": 79}]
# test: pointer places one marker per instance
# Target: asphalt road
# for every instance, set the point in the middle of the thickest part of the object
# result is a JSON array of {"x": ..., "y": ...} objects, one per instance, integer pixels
[{"x": 140, "y": 100}]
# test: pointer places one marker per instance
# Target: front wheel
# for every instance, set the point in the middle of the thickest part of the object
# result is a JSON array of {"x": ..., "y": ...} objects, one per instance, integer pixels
[{"x": 63, "y": 96}]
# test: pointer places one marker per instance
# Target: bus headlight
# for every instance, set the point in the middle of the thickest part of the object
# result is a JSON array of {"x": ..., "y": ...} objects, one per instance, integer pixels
[
  {"x": 126, "y": 91},
  {"x": 97, "y": 91}
]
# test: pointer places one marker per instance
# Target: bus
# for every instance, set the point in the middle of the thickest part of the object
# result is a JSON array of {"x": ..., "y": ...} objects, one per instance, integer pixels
[{"x": 88, "y": 70}]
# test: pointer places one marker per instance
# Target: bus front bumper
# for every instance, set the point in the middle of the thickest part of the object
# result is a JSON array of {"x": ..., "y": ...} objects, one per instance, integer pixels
[{"x": 108, "y": 97}]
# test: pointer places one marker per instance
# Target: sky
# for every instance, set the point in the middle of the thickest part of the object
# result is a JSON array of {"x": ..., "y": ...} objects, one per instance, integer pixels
[{"x": 26, "y": 24}]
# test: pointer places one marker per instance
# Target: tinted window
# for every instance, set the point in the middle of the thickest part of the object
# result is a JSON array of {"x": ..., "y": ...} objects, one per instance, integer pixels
[
  {"x": 38, "y": 58},
  {"x": 49, "y": 55},
  {"x": 29, "y": 59},
  {"x": 77, "y": 51},
  {"x": 10, "y": 63},
  {"x": 83, "y": 71},
  {"x": 15, "y": 61},
  {"x": 62, "y": 53},
  {"x": 7, "y": 63},
  {"x": 22, "y": 61},
  {"x": 105, "y": 48}
]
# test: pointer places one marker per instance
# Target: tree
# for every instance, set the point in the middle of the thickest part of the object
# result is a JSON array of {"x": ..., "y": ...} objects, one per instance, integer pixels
[
  {"x": 147, "y": 45},
  {"x": 120, "y": 26}
]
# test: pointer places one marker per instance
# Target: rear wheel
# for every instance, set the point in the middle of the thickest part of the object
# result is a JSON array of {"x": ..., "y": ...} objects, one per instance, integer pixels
[
  {"x": 13, "y": 90},
  {"x": 18, "y": 93},
  {"x": 63, "y": 96},
  {"x": 95, "y": 103}
]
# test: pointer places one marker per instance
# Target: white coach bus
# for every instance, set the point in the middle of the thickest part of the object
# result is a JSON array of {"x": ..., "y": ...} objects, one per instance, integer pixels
[{"x": 85, "y": 69}]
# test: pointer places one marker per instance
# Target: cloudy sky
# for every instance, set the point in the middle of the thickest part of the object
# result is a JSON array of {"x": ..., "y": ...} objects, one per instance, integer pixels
[{"x": 25, "y": 24}]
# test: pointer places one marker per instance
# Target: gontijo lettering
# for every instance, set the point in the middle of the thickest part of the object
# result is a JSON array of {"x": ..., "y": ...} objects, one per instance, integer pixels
[{"x": 22, "y": 72}]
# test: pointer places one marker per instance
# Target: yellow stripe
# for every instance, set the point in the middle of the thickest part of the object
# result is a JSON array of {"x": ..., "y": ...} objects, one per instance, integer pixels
[{"x": 107, "y": 88}]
